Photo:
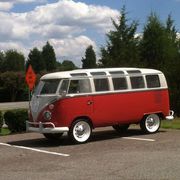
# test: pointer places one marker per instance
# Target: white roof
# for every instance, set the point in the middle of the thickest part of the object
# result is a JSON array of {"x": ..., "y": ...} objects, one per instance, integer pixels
[{"x": 68, "y": 74}]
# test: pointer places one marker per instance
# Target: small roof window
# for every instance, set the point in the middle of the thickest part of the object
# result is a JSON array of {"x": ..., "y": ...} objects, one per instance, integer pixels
[
  {"x": 116, "y": 72},
  {"x": 78, "y": 74},
  {"x": 133, "y": 72},
  {"x": 98, "y": 73}
]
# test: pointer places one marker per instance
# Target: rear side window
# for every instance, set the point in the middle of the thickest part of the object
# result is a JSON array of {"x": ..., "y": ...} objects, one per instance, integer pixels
[
  {"x": 101, "y": 84},
  {"x": 152, "y": 81},
  {"x": 119, "y": 83},
  {"x": 137, "y": 82},
  {"x": 79, "y": 86}
]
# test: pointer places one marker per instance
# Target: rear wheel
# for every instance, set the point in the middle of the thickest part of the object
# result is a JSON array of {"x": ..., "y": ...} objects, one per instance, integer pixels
[
  {"x": 121, "y": 128},
  {"x": 151, "y": 123},
  {"x": 55, "y": 136},
  {"x": 80, "y": 131}
]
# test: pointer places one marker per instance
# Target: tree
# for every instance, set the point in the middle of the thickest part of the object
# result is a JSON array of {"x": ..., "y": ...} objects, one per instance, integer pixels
[
  {"x": 67, "y": 65},
  {"x": 89, "y": 61},
  {"x": 35, "y": 59},
  {"x": 12, "y": 84},
  {"x": 172, "y": 66},
  {"x": 49, "y": 57},
  {"x": 160, "y": 50},
  {"x": 122, "y": 46},
  {"x": 13, "y": 61},
  {"x": 2, "y": 57},
  {"x": 154, "y": 43}
]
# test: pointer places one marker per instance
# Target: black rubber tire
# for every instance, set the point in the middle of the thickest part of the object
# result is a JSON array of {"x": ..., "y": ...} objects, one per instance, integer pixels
[
  {"x": 81, "y": 135},
  {"x": 121, "y": 128},
  {"x": 150, "y": 123},
  {"x": 55, "y": 136}
]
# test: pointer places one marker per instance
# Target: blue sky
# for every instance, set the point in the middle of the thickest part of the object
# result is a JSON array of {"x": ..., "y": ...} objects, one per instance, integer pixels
[{"x": 71, "y": 25}]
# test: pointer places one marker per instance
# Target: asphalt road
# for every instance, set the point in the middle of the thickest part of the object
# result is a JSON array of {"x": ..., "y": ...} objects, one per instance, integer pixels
[
  {"x": 14, "y": 105},
  {"x": 107, "y": 156}
]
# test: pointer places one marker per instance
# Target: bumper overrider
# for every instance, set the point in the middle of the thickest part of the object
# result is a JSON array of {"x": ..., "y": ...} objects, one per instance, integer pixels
[
  {"x": 42, "y": 127},
  {"x": 171, "y": 115}
]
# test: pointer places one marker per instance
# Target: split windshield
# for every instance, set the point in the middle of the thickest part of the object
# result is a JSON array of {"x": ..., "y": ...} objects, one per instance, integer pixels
[
  {"x": 47, "y": 87},
  {"x": 50, "y": 86}
]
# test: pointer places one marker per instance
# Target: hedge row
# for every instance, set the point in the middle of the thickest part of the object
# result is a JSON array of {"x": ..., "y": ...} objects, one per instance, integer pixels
[
  {"x": 1, "y": 120},
  {"x": 15, "y": 120}
]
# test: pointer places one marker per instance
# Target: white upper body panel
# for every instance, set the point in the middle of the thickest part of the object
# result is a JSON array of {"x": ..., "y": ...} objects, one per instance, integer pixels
[{"x": 68, "y": 74}]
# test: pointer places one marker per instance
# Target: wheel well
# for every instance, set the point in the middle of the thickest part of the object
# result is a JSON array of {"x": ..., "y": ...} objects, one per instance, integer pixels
[
  {"x": 84, "y": 118},
  {"x": 161, "y": 115}
]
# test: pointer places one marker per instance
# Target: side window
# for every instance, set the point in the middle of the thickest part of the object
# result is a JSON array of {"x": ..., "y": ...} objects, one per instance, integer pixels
[
  {"x": 101, "y": 84},
  {"x": 119, "y": 83},
  {"x": 79, "y": 86},
  {"x": 137, "y": 82},
  {"x": 152, "y": 81},
  {"x": 64, "y": 86}
]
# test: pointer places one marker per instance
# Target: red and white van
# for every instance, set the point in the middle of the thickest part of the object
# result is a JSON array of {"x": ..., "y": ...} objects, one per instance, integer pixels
[{"x": 80, "y": 100}]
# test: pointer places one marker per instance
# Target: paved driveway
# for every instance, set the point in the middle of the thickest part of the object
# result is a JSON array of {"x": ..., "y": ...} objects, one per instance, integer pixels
[{"x": 107, "y": 156}]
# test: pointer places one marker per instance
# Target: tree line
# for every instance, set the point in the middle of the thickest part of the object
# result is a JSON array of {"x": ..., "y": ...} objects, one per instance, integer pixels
[
  {"x": 158, "y": 47},
  {"x": 13, "y": 67},
  {"x": 41, "y": 60}
]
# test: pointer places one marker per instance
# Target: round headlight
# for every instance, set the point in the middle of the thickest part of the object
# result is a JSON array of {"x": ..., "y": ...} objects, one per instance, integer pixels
[{"x": 47, "y": 115}]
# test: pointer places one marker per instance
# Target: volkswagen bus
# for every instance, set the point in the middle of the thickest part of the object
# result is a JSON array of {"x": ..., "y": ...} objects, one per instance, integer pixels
[{"x": 80, "y": 100}]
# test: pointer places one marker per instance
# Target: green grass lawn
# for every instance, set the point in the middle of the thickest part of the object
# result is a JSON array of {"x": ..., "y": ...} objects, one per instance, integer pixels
[
  {"x": 174, "y": 124},
  {"x": 4, "y": 131}
]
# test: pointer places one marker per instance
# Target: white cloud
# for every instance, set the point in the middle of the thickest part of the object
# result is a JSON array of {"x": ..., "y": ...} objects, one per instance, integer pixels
[
  {"x": 14, "y": 45},
  {"x": 65, "y": 23},
  {"x": 72, "y": 48},
  {"x": 23, "y": 1},
  {"x": 5, "y": 6}
]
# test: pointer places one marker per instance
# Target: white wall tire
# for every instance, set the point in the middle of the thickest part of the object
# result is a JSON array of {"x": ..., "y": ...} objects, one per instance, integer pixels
[
  {"x": 151, "y": 123},
  {"x": 80, "y": 131}
]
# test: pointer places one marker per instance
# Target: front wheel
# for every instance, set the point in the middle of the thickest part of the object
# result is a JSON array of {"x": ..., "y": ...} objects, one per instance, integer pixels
[
  {"x": 150, "y": 123},
  {"x": 80, "y": 131}
]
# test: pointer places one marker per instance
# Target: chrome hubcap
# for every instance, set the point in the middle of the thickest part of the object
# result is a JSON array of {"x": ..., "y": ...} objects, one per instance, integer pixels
[
  {"x": 152, "y": 123},
  {"x": 82, "y": 131}
]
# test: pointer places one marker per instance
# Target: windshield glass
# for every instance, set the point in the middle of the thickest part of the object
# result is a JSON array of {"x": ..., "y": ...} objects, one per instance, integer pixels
[
  {"x": 38, "y": 88},
  {"x": 50, "y": 86}
]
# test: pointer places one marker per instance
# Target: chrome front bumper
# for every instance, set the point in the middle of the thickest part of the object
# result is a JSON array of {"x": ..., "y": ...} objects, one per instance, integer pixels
[
  {"x": 42, "y": 129},
  {"x": 171, "y": 115}
]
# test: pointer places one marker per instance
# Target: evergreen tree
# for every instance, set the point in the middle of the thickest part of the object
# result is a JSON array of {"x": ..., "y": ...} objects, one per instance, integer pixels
[
  {"x": 35, "y": 59},
  {"x": 2, "y": 57},
  {"x": 67, "y": 65},
  {"x": 172, "y": 66},
  {"x": 160, "y": 50},
  {"x": 89, "y": 61},
  {"x": 13, "y": 61},
  {"x": 153, "y": 44},
  {"x": 49, "y": 57},
  {"x": 122, "y": 46}
]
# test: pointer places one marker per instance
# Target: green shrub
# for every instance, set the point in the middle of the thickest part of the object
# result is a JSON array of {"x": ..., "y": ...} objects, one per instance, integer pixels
[
  {"x": 1, "y": 120},
  {"x": 16, "y": 120}
]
